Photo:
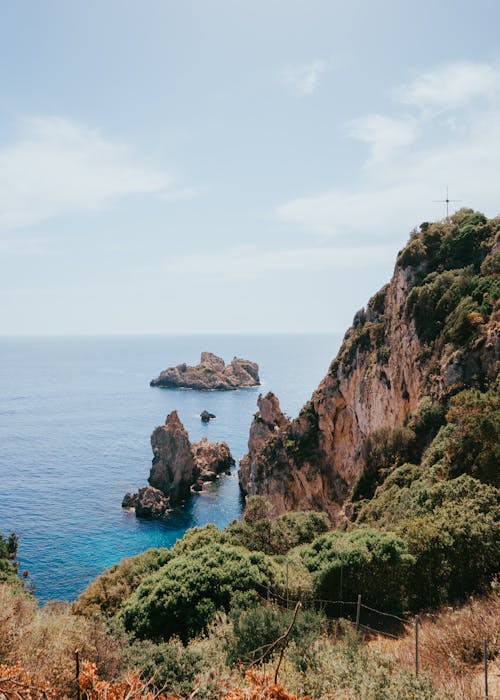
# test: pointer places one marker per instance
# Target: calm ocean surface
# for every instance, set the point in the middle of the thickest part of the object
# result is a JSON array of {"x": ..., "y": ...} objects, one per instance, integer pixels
[{"x": 76, "y": 415}]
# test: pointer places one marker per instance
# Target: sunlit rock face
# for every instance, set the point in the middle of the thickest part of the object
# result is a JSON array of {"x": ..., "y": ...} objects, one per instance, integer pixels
[
  {"x": 212, "y": 374},
  {"x": 178, "y": 468},
  {"x": 381, "y": 372}
]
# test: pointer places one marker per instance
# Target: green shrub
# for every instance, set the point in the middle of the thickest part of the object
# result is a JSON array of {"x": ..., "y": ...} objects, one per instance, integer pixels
[
  {"x": 370, "y": 562},
  {"x": 182, "y": 597},
  {"x": 170, "y": 664},
  {"x": 277, "y": 535},
  {"x": 8, "y": 559},
  {"x": 257, "y": 626},
  {"x": 451, "y": 528},
  {"x": 107, "y": 592},
  {"x": 470, "y": 441},
  {"x": 385, "y": 450},
  {"x": 413, "y": 254}
]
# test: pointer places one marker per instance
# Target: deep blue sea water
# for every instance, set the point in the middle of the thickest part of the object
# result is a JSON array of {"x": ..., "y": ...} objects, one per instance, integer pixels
[{"x": 76, "y": 415}]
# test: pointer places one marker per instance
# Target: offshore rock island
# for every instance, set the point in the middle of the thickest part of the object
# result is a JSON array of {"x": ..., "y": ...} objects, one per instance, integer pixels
[
  {"x": 178, "y": 469},
  {"x": 212, "y": 374}
]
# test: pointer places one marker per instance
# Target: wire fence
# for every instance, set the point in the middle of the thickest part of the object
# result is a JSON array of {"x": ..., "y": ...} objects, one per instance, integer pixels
[{"x": 408, "y": 624}]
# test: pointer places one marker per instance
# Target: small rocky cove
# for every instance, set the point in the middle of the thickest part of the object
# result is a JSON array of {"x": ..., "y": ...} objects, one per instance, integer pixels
[{"x": 179, "y": 468}]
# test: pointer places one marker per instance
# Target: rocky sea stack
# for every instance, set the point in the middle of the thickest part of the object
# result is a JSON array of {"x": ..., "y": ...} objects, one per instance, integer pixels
[
  {"x": 178, "y": 469},
  {"x": 212, "y": 374}
]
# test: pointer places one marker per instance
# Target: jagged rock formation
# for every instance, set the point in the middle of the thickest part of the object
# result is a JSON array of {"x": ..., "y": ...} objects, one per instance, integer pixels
[
  {"x": 178, "y": 468},
  {"x": 212, "y": 374},
  {"x": 211, "y": 459},
  {"x": 148, "y": 502},
  {"x": 172, "y": 469},
  {"x": 267, "y": 423},
  {"x": 432, "y": 331}
]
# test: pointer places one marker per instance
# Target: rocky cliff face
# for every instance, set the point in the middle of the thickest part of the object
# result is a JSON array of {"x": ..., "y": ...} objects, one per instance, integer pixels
[
  {"x": 212, "y": 374},
  {"x": 178, "y": 468},
  {"x": 433, "y": 330}
]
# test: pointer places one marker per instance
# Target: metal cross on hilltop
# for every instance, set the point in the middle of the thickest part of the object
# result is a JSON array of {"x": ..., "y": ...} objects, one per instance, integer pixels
[{"x": 447, "y": 202}]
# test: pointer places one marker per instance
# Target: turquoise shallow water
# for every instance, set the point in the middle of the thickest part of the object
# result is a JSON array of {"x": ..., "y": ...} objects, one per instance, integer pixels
[{"x": 76, "y": 415}]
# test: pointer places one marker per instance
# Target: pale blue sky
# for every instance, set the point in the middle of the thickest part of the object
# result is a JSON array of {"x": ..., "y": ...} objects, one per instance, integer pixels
[{"x": 196, "y": 166}]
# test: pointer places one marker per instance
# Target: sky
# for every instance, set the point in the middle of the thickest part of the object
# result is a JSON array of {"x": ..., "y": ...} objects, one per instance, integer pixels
[{"x": 232, "y": 166}]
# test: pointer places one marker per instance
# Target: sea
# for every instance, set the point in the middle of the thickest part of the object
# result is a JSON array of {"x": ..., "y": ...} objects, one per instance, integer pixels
[{"x": 76, "y": 415}]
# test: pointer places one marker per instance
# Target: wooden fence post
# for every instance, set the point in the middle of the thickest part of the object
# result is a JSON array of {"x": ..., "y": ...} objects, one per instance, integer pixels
[
  {"x": 287, "y": 584},
  {"x": 416, "y": 645},
  {"x": 486, "y": 669},
  {"x": 341, "y": 587},
  {"x": 358, "y": 611},
  {"x": 77, "y": 674}
]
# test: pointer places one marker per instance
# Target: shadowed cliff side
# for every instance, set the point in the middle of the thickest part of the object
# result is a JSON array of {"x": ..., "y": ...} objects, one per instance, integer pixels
[{"x": 430, "y": 333}]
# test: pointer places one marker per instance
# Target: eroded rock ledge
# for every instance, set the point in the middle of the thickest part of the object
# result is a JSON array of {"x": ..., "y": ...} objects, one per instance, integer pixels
[
  {"x": 178, "y": 468},
  {"x": 212, "y": 374}
]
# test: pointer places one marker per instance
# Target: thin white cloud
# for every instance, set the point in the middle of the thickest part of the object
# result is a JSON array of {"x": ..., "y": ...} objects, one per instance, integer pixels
[
  {"x": 303, "y": 80},
  {"x": 180, "y": 194},
  {"x": 450, "y": 85},
  {"x": 384, "y": 134},
  {"x": 238, "y": 264},
  {"x": 396, "y": 188},
  {"x": 58, "y": 166}
]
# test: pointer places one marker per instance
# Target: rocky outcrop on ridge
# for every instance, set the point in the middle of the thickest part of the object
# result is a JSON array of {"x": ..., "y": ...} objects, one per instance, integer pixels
[
  {"x": 212, "y": 374},
  {"x": 178, "y": 468},
  {"x": 432, "y": 331}
]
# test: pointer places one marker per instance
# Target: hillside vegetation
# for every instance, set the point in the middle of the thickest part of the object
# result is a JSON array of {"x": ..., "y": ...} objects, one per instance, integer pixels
[{"x": 420, "y": 530}]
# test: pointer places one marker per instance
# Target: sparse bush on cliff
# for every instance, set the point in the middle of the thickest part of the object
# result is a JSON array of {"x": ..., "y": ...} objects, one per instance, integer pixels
[{"x": 8, "y": 560}]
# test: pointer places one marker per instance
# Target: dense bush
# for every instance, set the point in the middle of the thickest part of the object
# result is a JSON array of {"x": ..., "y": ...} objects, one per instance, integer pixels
[
  {"x": 385, "y": 450},
  {"x": 451, "y": 528},
  {"x": 183, "y": 596},
  {"x": 257, "y": 626},
  {"x": 370, "y": 562},
  {"x": 470, "y": 441},
  {"x": 109, "y": 590},
  {"x": 449, "y": 245},
  {"x": 168, "y": 665},
  {"x": 259, "y": 531}
]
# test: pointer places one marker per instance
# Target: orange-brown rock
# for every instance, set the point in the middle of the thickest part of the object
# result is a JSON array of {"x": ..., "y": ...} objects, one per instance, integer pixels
[
  {"x": 382, "y": 371},
  {"x": 212, "y": 374},
  {"x": 173, "y": 467},
  {"x": 178, "y": 468},
  {"x": 211, "y": 459}
]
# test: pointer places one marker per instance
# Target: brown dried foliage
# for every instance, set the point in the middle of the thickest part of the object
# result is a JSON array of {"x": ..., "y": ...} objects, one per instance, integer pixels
[
  {"x": 451, "y": 648},
  {"x": 16, "y": 683}
]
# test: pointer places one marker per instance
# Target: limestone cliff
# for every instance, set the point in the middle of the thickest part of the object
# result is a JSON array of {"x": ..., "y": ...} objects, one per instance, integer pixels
[
  {"x": 212, "y": 374},
  {"x": 433, "y": 330},
  {"x": 178, "y": 468}
]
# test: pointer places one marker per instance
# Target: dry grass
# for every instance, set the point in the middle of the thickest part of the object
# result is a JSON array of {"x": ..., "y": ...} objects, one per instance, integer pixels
[
  {"x": 43, "y": 641},
  {"x": 451, "y": 648}
]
